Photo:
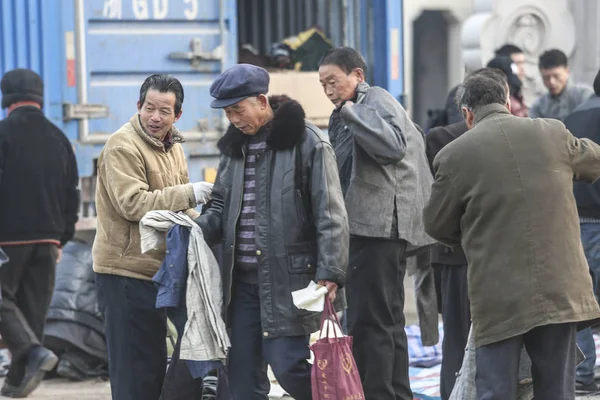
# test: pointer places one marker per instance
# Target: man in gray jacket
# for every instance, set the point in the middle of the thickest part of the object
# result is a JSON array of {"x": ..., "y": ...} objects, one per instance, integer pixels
[
  {"x": 386, "y": 182},
  {"x": 562, "y": 97}
]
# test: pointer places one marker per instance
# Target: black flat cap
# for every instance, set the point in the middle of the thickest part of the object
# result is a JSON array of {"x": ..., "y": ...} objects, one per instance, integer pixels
[{"x": 237, "y": 83}]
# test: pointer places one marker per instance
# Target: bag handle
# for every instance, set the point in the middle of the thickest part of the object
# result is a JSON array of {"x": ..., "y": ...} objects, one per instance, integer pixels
[{"x": 330, "y": 315}]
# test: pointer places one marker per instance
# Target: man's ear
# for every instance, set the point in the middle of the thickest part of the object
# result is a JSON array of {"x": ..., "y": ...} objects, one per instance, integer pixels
[
  {"x": 178, "y": 115},
  {"x": 139, "y": 104},
  {"x": 469, "y": 117},
  {"x": 263, "y": 101},
  {"x": 360, "y": 74},
  {"x": 464, "y": 111}
]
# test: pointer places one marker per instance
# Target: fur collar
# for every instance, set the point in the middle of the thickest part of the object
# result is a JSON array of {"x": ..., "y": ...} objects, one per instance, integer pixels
[{"x": 286, "y": 128}]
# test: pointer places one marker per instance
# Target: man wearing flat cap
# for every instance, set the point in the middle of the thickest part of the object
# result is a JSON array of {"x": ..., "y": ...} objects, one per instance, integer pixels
[
  {"x": 39, "y": 202},
  {"x": 278, "y": 209}
]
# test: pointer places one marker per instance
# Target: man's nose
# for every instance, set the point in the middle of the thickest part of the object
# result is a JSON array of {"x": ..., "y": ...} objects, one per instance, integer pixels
[{"x": 155, "y": 116}]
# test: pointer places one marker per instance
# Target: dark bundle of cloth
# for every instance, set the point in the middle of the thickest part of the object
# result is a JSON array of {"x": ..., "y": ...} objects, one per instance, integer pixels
[{"x": 75, "y": 326}]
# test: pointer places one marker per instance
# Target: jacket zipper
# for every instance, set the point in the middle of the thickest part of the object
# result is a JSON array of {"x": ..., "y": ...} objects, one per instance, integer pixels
[{"x": 235, "y": 233}]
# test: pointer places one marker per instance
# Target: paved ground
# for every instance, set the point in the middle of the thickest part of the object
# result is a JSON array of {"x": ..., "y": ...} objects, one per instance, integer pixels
[
  {"x": 99, "y": 390},
  {"x": 62, "y": 389}
]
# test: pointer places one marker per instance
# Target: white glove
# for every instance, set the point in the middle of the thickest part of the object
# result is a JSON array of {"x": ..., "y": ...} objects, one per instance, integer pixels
[{"x": 202, "y": 191}]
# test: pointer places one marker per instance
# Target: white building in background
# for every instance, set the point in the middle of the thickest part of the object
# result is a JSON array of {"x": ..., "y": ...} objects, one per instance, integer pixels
[{"x": 442, "y": 37}]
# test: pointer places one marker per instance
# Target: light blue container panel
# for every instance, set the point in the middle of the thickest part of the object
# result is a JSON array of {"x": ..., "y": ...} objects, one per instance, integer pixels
[
  {"x": 125, "y": 41},
  {"x": 31, "y": 37}
]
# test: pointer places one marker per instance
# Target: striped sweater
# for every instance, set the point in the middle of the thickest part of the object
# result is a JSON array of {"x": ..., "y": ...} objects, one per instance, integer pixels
[{"x": 246, "y": 257}]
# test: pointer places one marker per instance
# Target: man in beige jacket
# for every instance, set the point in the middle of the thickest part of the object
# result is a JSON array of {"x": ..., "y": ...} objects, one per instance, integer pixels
[{"x": 141, "y": 168}]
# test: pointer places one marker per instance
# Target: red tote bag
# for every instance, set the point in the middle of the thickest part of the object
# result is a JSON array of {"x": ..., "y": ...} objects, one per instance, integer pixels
[{"x": 334, "y": 372}]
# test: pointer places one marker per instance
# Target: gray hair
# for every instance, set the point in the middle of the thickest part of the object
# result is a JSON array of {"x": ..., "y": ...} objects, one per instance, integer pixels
[{"x": 481, "y": 88}]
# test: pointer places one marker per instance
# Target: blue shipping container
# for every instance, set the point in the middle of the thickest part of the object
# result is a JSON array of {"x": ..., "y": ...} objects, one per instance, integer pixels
[{"x": 94, "y": 54}]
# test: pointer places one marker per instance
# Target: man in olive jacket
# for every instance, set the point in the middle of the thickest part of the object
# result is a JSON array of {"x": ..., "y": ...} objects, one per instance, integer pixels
[
  {"x": 504, "y": 190},
  {"x": 141, "y": 168},
  {"x": 386, "y": 182},
  {"x": 277, "y": 207}
]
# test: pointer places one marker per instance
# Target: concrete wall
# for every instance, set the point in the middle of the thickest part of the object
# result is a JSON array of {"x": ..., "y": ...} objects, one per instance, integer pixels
[
  {"x": 475, "y": 28},
  {"x": 572, "y": 26},
  {"x": 585, "y": 60},
  {"x": 455, "y": 12},
  {"x": 430, "y": 64}
]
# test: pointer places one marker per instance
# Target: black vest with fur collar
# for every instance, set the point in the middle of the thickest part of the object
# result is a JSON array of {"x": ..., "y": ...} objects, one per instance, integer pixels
[{"x": 287, "y": 128}]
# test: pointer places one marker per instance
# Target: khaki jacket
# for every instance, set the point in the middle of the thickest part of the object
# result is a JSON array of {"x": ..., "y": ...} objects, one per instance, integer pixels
[
  {"x": 136, "y": 174},
  {"x": 504, "y": 190}
]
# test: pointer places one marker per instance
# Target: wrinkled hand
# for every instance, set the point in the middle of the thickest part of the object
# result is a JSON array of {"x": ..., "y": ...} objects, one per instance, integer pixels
[
  {"x": 58, "y": 255},
  {"x": 331, "y": 288},
  {"x": 202, "y": 191}
]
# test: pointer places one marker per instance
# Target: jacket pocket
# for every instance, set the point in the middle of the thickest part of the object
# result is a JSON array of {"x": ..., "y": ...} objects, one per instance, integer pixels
[
  {"x": 293, "y": 217},
  {"x": 130, "y": 241},
  {"x": 301, "y": 264},
  {"x": 368, "y": 204},
  {"x": 302, "y": 258},
  {"x": 301, "y": 209}
]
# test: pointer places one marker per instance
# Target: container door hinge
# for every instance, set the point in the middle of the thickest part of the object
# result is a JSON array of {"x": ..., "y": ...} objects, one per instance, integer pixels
[
  {"x": 196, "y": 55},
  {"x": 84, "y": 111}
]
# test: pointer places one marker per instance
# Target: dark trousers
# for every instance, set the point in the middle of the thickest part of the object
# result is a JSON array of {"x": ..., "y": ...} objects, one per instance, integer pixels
[
  {"x": 27, "y": 282},
  {"x": 590, "y": 239},
  {"x": 250, "y": 353},
  {"x": 553, "y": 355},
  {"x": 179, "y": 384},
  {"x": 457, "y": 321},
  {"x": 375, "y": 293},
  {"x": 136, "y": 334}
]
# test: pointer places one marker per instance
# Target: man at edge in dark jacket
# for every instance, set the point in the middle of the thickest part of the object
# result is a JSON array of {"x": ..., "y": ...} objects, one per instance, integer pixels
[
  {"x": 452, "y": 265},
  {"x": 38, "y": 211},
  {"x": 584, "y": 122}
]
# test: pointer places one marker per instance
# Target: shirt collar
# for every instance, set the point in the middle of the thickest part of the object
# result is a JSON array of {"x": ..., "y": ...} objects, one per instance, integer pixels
[{"x": 168, "y": 141}]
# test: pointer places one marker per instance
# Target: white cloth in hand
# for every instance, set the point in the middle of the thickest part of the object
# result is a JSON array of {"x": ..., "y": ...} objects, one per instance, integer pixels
[
  {"x": 202, "y": 191},
  {"x": 311, "y": 298}
]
